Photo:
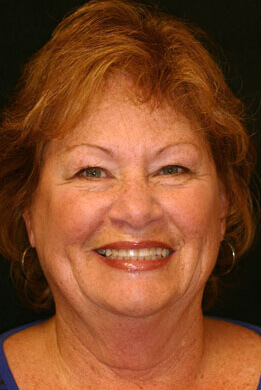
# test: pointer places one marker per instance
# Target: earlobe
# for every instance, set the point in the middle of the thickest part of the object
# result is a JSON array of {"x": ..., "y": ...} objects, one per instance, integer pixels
[{"x": 28, "y": 223}]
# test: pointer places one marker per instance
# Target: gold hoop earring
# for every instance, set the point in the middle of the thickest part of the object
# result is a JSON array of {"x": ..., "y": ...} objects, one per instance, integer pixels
[
  {"x": 23, "y": 258},
  {"x": 232, "y": 265},
  {"x": 27, "y": 274}
]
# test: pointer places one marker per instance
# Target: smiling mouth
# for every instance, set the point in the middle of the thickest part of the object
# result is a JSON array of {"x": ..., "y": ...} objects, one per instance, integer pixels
[{"x": 145, "y": 254}]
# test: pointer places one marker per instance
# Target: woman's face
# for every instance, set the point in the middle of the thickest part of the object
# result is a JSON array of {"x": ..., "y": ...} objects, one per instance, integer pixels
[{"x": 127, "y": 178}]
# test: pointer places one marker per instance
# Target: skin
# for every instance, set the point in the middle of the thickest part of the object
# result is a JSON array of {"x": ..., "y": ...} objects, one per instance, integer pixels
[{"x": 113, "y": 328}]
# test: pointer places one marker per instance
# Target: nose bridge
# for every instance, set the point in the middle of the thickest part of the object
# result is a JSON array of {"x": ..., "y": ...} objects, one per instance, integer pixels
[{"x": 136, "y": 205}]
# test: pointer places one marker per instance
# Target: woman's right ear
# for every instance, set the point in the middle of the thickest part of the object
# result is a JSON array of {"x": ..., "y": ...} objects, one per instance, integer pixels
[{"x": 28, "y": 223}]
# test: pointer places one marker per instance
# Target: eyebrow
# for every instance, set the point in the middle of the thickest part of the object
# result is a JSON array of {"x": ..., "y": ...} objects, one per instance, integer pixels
[
  {"x": 110, "y": 153},
  {"x": 175, "y": 145},
  {"x": 69, "y": 148}
]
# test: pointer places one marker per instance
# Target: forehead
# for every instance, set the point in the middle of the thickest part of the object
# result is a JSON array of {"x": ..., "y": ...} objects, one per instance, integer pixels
[{"x": 118, "y": 118}]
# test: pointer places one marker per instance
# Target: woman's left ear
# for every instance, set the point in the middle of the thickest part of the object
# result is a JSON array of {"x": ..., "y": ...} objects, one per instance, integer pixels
[{"x": 28, "y": 223}]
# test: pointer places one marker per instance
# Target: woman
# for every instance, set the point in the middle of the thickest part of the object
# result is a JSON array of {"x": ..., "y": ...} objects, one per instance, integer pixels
[{"x": 124, "y": 186}]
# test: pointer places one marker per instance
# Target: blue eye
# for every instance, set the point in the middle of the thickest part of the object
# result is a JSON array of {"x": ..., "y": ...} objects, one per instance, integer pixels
[
  {"x": 92, "y": 172},
  {"x": 173, "y": 170}
]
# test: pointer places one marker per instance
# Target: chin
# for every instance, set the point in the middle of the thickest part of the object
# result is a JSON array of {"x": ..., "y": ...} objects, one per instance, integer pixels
[
  {"x": 134, "y": 310},
  {"x": 136, "y": 307}
]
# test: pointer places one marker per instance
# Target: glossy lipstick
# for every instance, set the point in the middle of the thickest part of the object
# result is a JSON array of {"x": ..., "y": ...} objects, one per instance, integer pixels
[{"x": 135, "y": 265}]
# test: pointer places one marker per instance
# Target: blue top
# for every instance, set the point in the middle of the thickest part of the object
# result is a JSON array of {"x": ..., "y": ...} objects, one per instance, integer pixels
[{"x": 7, "y": 381}]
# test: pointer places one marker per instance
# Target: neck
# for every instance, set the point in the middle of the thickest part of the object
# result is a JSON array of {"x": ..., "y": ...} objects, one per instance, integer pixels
[{"x": 131, "y": 349}]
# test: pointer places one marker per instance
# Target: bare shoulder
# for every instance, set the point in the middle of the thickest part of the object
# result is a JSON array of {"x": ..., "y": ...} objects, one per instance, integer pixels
[
  {"x": 26, "y": 349},
  {"x": 26, "y": 337},
  {"x": 234, "y": 336},
  {"x": 235, "y": 351}
]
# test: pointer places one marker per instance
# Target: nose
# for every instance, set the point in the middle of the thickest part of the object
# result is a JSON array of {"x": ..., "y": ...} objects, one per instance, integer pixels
[{"x": 135, "y": 207}]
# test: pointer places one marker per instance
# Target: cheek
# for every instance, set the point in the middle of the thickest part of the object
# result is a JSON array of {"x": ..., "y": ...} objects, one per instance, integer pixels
[
  {"x": 69, "y": 217},
  {"x": 195, "y": 210}
]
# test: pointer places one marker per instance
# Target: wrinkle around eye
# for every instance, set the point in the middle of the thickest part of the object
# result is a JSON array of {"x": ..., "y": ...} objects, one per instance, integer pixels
[{"x": 174, "y": 179}]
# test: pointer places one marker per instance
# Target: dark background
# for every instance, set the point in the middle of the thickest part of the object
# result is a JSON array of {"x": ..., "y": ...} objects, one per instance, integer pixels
[{"x": 234, "y": 25}]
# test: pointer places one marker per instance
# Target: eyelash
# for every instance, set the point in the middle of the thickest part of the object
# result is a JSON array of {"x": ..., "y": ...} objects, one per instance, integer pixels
[
  {"x": 177, "y": 167},
  {"x": 167, "y": 167}
]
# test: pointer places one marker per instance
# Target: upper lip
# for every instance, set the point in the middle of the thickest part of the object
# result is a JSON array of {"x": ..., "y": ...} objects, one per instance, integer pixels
[{"x": 135, "y": 245}]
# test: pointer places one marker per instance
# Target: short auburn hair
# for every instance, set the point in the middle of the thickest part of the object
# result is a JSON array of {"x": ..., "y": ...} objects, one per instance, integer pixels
[{"x": 167, "y": 59}]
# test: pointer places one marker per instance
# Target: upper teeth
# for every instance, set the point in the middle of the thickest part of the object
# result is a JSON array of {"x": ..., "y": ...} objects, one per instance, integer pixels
[{"x": 135, "y": 254}]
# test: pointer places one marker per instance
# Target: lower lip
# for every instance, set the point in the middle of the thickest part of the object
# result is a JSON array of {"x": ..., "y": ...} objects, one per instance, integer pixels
[{"x": 136, "y": 265}]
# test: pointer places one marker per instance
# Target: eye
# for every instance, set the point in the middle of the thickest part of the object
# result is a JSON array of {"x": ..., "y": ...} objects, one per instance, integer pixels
[
  {"x": 173, "y": 170},
  {"x": 92, "y": 172}
]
